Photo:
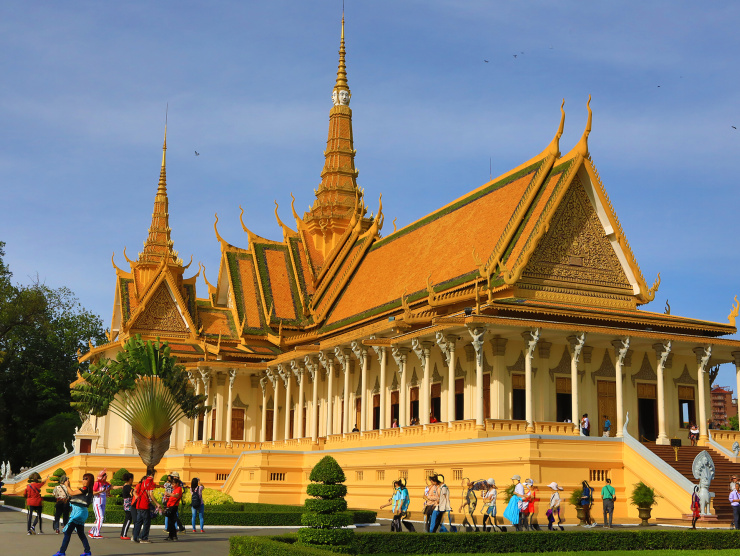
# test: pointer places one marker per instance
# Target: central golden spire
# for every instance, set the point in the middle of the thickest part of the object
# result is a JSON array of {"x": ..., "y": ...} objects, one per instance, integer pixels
[
  {"x": 338, "y": 198},
  {"x": 159, "y": 244}
]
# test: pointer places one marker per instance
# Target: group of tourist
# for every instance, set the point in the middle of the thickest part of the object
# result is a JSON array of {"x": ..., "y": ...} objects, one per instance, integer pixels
[
  {"x": 520, "y": 511},
  {"x": 71, "y": 507}
]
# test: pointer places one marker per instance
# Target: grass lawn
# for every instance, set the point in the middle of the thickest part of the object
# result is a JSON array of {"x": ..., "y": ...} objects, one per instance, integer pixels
[{"x": 734, "y": 552}]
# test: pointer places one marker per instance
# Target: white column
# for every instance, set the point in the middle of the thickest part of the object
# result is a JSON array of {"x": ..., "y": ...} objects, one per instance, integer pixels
[
  {"x": 621, "y": 347},
  {"x": 399, "y": 355},
  {"x": 702, "y": 358},
  {"x": 205, "y": 376},
  {"x": 263, "y": 426},
  {"x": 312, "y": 366},
  {"x": 219, "y": 417},
  {"x": 286, "y": 375},
  {"x": 362, "y": 356},
  {"x": 662, "y": 350},
  {"x": 194, "y": 425},
  {"x": 380, "y": 351},
  {"x": 736, "y": 356},
  {"x": 327, "y": 360},
  {"x": 275, "y": 404},
  {"x": 447, "y": 347},
  {"x": 347, "y": 394},
  {"x": 422, "y": 350},
  {"x": 299, "y": 375},
  {"x": 576, "y": 345},
  {"x": 229, "y": 405},
  {"x": 476, "y": 334},
  {"x": 531, "y": 339}
]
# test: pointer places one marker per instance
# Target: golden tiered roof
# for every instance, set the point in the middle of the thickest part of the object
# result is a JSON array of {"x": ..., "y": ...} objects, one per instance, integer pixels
[{"x": 541, "y": 241}]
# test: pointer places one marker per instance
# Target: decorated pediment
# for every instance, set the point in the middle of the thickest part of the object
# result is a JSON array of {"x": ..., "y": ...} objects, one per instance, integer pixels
[
  {"x": 161, "y": 314},
  {"x": 646, "y": 371},
  {"x": 576, "y": 251},
  {"x": 563, "y": 366}
]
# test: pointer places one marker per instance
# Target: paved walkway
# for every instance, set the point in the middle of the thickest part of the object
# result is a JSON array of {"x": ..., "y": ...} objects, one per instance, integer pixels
[{"x": 214, "y": 542}]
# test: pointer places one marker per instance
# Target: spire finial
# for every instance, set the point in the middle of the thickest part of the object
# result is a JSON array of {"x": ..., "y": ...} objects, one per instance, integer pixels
[
  {"x": 583, "y": 143},
  {"x": 554, "y": 148},
  {"x": 163, "y": 172},
  {"x": 338, "y": 97}
]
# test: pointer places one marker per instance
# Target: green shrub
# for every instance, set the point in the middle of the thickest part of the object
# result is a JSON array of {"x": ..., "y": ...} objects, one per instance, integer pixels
[
  {"x": 269, "y": 546},
  {"x": 323, "y": 517},
  {"x": 325, "y": 506},
  {"x": 576, "y": 541},
  {"x": 575, "y": 497},
  {"x": 327, "y": 492},
  {"x": 643, "y": 495},
  {"x": 327, "y": 471},
  {"x": 54, "y": 480},
  {"x": 326, "y": 521},
  {"x": 117, "y": 479}
]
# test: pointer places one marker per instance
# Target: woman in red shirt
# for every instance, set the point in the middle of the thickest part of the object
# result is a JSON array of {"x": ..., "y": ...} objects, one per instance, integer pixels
[
  {"x": 34, "y": 501},
  {"x": 173, "y": 501}
]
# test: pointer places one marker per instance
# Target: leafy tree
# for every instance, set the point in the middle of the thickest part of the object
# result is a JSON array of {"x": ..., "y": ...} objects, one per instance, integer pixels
[
  {"x": 144, "y": 386},
  {"x": 733, "y": 423},
  {"x": 41, "y": 330}
]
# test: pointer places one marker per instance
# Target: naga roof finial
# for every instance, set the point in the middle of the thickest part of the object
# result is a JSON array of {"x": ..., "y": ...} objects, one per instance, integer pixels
[
  {"x": 554, "y": 147},
  {"x": 582, "y": 147}
]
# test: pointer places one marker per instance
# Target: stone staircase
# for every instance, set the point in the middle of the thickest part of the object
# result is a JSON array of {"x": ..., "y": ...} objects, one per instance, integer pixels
[{"x": 723, "y": 470}]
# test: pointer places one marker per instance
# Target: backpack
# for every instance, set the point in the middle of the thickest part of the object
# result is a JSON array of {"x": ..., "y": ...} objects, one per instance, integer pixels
[{"x": 196, "y": 501}]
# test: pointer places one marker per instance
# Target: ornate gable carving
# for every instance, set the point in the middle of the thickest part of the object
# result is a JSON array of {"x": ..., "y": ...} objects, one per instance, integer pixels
[
  {"x": 607, "y": 369},
  {"x": 394, "y": 384},
  {"x": 459, "y": 371},
  {"x": 161, "y": 314},
  {"x": 414, "y": 378},
  {"x": 563, "y": 366},
  {"x": 685, "y": 378},
  {"x": 239, "y": 403},
  {"x": 518, "y": 366},
  {"x": 646, "y": 371},
  {"x": 436, "y": 377},
  {"x": 575, "y": 249},
  {"x": 376, "y": 388}
]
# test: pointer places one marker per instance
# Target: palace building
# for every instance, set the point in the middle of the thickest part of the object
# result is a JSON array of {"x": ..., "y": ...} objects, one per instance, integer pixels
[{"x": 470, "y": 342}]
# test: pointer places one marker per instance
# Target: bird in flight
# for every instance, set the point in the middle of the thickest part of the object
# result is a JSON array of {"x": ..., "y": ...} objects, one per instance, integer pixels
[
  {"x": 197, "y": 153},
  {"x": 486, "y": 61},
  {"x": 733, "y": 127},
  {"x": 514, "y": 55}
]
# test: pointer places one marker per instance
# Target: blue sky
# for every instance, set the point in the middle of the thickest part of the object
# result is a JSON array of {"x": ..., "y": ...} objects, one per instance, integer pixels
[{"x": 85, "y": 85}]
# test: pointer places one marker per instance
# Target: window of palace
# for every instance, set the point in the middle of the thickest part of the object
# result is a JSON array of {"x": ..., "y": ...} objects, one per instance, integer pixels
[
  {"x": 394, "y": 406},
  {"x": 647, "y": 411},
  {"x": 414, "y": 403},
  {"x": 518, "y": 398},
  {"x": 436, "y": 407},
  {"x": 376, "y": 411},
  {"x": 563, "y": 399},
  {"x": 686, "y": 406},
  {"x": 237, "y": 424},
  {"x": 459, "y": 399}
]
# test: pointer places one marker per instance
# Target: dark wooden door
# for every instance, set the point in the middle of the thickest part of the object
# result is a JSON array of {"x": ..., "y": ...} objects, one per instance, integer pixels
[{"x": 237, "y": 424}]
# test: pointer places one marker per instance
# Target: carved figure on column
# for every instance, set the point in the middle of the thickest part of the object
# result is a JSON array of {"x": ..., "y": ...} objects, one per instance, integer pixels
[
  {"x": 419, "y": 350},
  {"x": 444, "y": 345},
  {"x": 534, "y": 337},
  {"x": 263, "y": 385},
  {"x": 297, "y": 370},
  {"x": 703, "y": 471},
  {"x": 359, "y": 350},
  {"x": 736, "y": 448}
]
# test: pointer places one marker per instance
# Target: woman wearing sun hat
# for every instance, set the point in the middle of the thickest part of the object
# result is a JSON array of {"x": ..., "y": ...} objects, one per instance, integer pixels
[
  {"x": 512, "y": 509},
  {"x": 554, "y": 507},
  {"x": 100, "y": 495},
  {"x": 489, "y": 498}
]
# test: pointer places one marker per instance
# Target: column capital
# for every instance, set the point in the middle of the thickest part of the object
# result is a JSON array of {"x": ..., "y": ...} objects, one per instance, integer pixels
[
  {"x": 359, "y": 350},
  {"x": 205, "y": 376},
  {"x": 399, "y": 355},
  {"x": 621, "y": 347},
  {"x": 232, "y": 377},
  {"x": 326, "y": 358},
  {"x": 703, "y": 354},
  {"x": 421, "y": 349},
  {"x": 531, "y": 337},
  {"x": 662, "y": 351},
  {"x": 263, "y": 385},
  {"x": 311, "y": 363},
  {"x": 576, "y": 345}
]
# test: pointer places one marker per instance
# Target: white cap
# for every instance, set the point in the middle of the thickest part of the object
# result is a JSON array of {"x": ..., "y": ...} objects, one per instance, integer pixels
[
  {"x": 529, "y": 482},
  {"x": 553, "y": 485},
  {"x": 491, "y": 482},
  {"x": 516, "y": 478}
]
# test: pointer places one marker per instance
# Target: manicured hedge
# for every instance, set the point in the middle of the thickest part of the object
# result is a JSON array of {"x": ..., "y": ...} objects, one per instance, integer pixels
[
  {"x": 215, "y": 515},
  {"x": 588, "y": 541},
  {"x": 269, "y": 546}
]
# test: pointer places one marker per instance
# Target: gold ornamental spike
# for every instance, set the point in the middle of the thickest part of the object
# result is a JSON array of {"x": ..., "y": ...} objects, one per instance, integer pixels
[{"x": 582, "y": 147}]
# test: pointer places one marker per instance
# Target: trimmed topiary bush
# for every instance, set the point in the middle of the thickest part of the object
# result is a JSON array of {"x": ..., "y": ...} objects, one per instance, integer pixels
[
  {"x": 325, "y": 515},
  {"x": 117, "y": 483},
  {"x": 54, "y": 480}
]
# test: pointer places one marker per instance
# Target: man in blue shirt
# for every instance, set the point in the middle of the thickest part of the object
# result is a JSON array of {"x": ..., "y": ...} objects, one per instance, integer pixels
[{"x": 607, "y": 426}]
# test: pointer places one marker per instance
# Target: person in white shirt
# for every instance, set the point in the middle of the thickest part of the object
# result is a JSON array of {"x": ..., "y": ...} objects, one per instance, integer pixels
[
  {"x": 554, "y": 507},
  {"x": 489, "y": 499},
  {"x": 735, "y": 503},
  {"x": 585, "y": 425},
  {"x": 443, "y": 504},
  {"x": 519, "y": 491}
]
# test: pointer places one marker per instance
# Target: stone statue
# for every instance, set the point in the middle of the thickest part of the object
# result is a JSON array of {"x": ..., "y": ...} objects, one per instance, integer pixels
[
  {"x": 335, "y": 97},
  {"x": 66, "y": 451},
  {"x": 703, "y": 470},
  {"x": 736, "y": 448},
  {"x": 344, "y": 98},
  {"x": 8, "y": 471},
  {"x": 2, "y": 470}
]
